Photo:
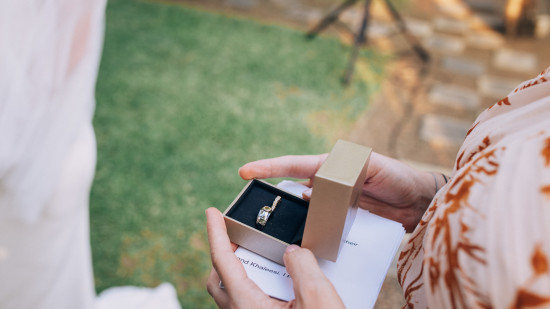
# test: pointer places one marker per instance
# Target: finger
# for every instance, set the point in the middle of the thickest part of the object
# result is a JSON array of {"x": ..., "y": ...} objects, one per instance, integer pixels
[
  {"x": 306, "y": 195},
  {"x": 213, "y": 287},
  {"x": 288, "y": 166},
  {"x": 227, "y": 265},
  {"x": 238, "y": 289},
  {"x": 311, "y": 287},
  {"x": 302, "y": 266},
  {"x": 408, "y": 216}
]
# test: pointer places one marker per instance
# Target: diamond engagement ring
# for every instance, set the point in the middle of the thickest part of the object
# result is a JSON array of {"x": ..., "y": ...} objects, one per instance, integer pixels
[{"x": 265, "y": 212}]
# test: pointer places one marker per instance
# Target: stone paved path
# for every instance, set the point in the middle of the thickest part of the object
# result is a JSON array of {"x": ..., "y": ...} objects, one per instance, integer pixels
[{"x": 472, "y": 67}]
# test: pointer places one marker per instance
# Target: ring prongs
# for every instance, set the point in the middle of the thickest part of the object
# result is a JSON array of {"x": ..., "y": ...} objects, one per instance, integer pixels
[{"x": 266, "y": 211}]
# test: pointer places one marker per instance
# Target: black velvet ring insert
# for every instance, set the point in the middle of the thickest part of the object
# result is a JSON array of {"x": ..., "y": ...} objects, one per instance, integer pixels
[{"x": 288, "y": 220}]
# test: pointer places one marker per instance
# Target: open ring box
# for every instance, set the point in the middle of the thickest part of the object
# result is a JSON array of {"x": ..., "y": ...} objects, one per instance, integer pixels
[{"x": 321, "y": 225}]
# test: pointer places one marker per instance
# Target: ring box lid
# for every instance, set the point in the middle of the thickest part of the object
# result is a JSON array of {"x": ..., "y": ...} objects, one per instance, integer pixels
[{"x": 337, "y": 186}]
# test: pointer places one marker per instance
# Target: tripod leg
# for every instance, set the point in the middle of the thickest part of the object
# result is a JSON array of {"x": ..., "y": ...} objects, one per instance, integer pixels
[
  {"x": 411, "y": 39},
  {"x": 329, "y": 18},
  {"x": 360, "y": 39}
]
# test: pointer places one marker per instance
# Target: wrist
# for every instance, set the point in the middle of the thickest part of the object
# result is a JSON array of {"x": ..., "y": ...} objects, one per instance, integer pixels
[
  {"x": 430, "y": 184},
  {"x": 427, "y": 185},
  {"x": 425, "y": 189}
]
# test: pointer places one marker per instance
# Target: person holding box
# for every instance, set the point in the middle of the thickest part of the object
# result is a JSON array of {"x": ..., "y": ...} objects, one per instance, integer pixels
[{"x": 479, "y": 238}]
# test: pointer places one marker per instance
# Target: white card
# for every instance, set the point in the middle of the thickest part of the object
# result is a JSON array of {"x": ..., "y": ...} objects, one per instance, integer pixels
[{"x": 358, "y": 273}]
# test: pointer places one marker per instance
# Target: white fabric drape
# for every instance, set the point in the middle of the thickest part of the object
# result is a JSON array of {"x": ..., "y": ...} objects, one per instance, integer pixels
[
  {"x": 48, "y": 68},
  {"x": 47, "y": 264}
]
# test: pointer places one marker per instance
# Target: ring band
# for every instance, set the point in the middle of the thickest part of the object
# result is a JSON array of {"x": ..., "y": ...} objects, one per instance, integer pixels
[{"x": 266, "y": 211}]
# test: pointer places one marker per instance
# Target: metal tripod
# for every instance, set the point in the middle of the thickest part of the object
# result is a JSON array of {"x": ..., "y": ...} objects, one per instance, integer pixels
[{"x": 361, "y": 37}]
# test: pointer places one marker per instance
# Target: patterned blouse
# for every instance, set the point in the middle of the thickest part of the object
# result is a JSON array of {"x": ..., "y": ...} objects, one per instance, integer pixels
[{"x": 484, "y": 241}]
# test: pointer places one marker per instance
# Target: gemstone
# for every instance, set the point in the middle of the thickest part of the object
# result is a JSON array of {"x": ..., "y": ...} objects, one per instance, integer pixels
[{"x": 263, "y": 215}]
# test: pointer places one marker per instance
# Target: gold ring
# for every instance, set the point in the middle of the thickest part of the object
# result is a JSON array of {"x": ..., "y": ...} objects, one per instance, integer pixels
[{"x": 266, "y": 211}]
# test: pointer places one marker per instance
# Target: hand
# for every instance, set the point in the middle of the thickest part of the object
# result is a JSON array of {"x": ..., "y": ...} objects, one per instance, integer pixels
[
  {"x": 311, "y": 288},
  {"x": 392, "y": 189}
]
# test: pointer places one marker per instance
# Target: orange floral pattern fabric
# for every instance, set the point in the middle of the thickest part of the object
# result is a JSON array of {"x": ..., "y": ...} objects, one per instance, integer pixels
[{"x": 484, "y": 242}]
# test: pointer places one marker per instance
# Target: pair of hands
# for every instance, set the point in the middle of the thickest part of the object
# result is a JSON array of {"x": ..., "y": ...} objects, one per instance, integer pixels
[
  {"x": 392, "y": 190},
  {"x": 311, "y": 287}
]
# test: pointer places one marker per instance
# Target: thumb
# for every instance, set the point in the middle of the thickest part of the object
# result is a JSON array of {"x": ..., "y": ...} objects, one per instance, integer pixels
[
  {"x": 302, "y": 266},
  {"x": 311, "y": 286}
]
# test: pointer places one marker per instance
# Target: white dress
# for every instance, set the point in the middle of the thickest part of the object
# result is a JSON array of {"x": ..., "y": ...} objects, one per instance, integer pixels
[
  {"x": 47, "y": 263},
  {"x": 48, "y": 67}
]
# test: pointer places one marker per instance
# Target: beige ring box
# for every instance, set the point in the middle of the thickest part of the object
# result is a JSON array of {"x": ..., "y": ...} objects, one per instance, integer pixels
[{"x": 321, "y": 225}]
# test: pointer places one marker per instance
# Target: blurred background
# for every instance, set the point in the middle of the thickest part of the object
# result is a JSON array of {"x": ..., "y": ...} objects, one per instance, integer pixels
[{"x": 190, "y": 90}]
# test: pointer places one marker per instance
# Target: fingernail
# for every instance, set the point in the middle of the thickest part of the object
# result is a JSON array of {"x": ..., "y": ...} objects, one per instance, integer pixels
[
  {"x": 240, "y": 171},
  {"x": 307, "y": 193},
  {"x": 291, "y": 248}
]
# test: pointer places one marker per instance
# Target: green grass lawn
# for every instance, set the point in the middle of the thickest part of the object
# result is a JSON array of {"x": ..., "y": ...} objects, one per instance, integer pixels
[{"x": 184, "y": 98}]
